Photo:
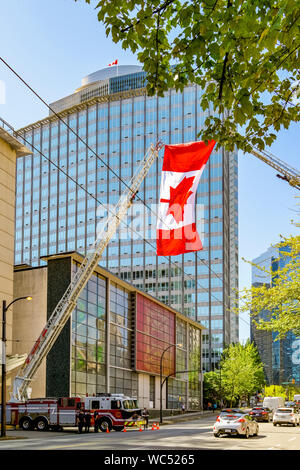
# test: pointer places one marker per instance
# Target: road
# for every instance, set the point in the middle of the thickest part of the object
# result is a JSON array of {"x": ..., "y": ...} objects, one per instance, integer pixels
[{"x": 192, "y": 435}]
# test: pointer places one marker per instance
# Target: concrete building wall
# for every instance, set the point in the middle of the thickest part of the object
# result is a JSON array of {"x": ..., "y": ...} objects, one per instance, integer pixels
[
  {"x": 7, "y": 230},
  {"x": 29, "y": 318}
]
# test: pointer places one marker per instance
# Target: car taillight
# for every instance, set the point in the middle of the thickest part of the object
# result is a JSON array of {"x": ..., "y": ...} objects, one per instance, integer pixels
[
  {"x": 241, "y": 420},
  {"x": 251, "y": 413},
  {"x": 218, "y": 419},
  {"x": 264, "y": 412}
]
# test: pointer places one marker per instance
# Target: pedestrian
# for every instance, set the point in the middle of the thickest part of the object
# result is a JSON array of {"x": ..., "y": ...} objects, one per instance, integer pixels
[
  {"x": 214, "y": 407},
  {"x": 80, "y": 421},
  {"x": 209, "y": 406},
  {"x": 96, "y": 421},
  {"x": 183, "y": 408},
  {"x": 87, "y": 421},
  {"x": 145, "y": 415}
]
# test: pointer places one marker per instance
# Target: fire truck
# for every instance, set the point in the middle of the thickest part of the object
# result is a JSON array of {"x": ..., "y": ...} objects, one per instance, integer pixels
[{"x": 115, "y": 411}]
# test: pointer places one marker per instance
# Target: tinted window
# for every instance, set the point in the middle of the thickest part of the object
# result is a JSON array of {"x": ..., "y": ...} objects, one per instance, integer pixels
[
  {"x": 115, "y": 404},
  {"x": 285, "y": 410},
  {"x": 95, "y": 405}
]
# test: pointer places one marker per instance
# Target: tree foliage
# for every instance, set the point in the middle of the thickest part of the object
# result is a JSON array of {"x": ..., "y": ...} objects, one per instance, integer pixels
[
  {"x": 242, "y": 371},
  {"x": 275, "y": 306},
  {"x": 239, "y": 376},
  {"x": 244, "y": 54}
]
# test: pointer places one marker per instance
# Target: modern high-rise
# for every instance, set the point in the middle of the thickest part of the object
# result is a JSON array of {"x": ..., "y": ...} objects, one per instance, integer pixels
[
  {"x": 113, "y": 115},
  {"x": 281, "y": 357}
]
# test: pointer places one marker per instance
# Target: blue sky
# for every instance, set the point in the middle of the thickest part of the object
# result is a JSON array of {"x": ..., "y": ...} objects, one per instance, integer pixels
[{"x": 53, "y": 44}]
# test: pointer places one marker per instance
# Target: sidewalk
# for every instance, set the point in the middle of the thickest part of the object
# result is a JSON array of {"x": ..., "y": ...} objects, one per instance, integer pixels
[{"x": 188, "y": 416}]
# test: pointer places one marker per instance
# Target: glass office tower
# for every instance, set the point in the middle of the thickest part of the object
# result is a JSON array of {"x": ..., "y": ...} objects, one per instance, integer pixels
[
  {"x": 113, "y": 115},
  {"x": 281, "y": 358}
]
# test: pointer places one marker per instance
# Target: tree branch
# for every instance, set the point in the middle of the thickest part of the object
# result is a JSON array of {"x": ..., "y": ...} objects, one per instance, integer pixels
[
  {"x": 222, "y": 81},
  {"x": 157, "y": 10}
]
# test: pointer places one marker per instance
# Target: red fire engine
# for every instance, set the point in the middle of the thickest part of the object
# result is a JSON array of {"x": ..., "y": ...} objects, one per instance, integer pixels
[{"x": 115, "y": 411}]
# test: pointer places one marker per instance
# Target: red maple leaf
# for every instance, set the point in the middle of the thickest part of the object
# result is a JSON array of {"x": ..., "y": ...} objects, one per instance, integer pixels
[{"x": 179, "y": 197}]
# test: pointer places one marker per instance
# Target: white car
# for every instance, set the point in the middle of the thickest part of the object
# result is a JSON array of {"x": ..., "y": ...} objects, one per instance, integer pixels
[
  {"x": 235, "y": 422},
  {"x": 286, "y": 416}
]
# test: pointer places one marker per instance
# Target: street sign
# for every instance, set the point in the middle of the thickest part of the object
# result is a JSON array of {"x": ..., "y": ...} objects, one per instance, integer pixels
[{"x": 2, "y": 352}]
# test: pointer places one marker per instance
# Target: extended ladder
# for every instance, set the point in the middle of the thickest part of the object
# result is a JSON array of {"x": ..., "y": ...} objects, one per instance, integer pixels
[
  {"x": 290, "y": 174},
  {"x": 66, "y": 305}
]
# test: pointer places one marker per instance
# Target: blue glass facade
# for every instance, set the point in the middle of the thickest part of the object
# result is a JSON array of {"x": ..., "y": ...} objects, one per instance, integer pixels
[
  {"x": 281, "y": 357},
  {"x": 54, "y": 215}
]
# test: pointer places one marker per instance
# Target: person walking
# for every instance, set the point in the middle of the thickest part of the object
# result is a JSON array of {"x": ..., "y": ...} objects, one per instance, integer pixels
[
  {"x": 214, "y": 407},
  {"x": 183, "y": 408},
  {"x": 145, "y": 415},
  {"x": 80, "y": 421},
  {"x": 87, "y": 421}
]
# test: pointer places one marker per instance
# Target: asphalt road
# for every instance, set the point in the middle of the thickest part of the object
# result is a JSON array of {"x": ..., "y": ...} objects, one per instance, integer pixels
[{"x": 189, "y": 435}]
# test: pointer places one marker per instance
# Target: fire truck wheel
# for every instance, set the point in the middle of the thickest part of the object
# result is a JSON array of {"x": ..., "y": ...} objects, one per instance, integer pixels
[
  {"x": 26, "y": 424},
  {"x": 118, "y": 428},
  {"x": 41, "y": 424},
  {"x": 104, "y": 424}
]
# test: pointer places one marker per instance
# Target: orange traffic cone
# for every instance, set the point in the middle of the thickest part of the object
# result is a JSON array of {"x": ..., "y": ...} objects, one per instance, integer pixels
[
  {"x": 124, "y": 430},
  {"x": 140, "y": 429},
  {"x": 107, "y": 429}
]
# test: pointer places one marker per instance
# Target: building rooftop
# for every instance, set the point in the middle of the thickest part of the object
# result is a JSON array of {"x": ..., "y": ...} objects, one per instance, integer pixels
[
  {"x": 104, "y": 82},
  {"x": 109, "y": 72},
  {"x": 8, "y": 134}
]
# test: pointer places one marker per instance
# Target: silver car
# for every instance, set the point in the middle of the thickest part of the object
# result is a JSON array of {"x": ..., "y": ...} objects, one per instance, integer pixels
[
  {"x": 235, "y": 422},
  {"x": 286, "y": 416}
]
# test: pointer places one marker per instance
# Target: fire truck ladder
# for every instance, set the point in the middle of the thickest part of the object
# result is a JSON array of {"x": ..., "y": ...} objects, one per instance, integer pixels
[
  {"x": 286, "y": 172},
  {"x": 66, "y": 305}
]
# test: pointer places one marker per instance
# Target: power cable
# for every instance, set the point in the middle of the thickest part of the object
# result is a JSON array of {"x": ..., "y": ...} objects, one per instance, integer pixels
[
  {"x": 121, "y": 221},
  {"x": 89, "y": 148}
]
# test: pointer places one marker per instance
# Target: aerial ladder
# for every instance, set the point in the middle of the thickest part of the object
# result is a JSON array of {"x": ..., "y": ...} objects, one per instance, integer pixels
[
  {"x": 285, "y": 171},
  {"x": 66, "y": 305}
]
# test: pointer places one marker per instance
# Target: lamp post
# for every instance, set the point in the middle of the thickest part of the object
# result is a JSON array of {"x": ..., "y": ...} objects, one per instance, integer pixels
[
  {"x": 3, "y": 379},
  {"x": 161, "y": 371}
]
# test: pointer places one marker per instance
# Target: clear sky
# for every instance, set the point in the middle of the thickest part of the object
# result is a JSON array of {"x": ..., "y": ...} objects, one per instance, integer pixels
[{"x": 53, "y": 44}]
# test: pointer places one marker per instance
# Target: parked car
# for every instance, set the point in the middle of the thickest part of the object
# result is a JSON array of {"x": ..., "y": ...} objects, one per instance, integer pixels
[
  {"x": 235, "y": 422},
  {"x": 261, "y": 413},
  {"x": 286, "y": 416},
  {"x": 289, "y": 404},
  {"x": 297, "y": 402}
]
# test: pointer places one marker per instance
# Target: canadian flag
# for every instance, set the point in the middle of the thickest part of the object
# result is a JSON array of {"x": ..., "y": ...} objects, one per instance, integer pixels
[
  {"x": 115, "y": 62},
  {"x": 182, "y": 168}
]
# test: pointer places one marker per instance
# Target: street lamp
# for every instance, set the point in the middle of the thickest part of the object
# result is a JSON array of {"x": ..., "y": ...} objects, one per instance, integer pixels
[
  {"x": 161, "y": 371},
  {"x": 3, "y": 389}
]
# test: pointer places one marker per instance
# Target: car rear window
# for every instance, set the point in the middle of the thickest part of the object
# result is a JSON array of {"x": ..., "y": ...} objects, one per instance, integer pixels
[
  {"x": 285, "y": 410},
  {"x": 231, "y": 414}
]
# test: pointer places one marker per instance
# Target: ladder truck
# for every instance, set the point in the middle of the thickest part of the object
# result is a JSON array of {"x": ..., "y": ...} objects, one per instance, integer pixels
[
  {"x": 285, "y": 171},
  {"x": 66, "y": 305}
]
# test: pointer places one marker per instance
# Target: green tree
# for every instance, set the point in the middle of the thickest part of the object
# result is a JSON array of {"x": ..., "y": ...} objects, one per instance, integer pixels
[
  {"x": 279, "y": 299},
  {"x": 212, "y": 386},
  {"x": 244, "y": 54},
  {"x": 242, "y": 372}
]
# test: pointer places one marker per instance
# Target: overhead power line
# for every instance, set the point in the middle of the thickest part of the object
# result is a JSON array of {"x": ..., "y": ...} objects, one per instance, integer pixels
[{"x": 92, "y": 150}]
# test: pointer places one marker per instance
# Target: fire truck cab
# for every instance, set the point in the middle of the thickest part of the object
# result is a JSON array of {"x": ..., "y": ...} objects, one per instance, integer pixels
[{"x": 115, "y": 411}]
